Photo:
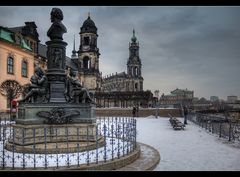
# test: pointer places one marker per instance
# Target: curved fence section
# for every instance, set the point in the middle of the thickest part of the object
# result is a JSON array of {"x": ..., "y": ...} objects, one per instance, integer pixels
[{"x": 116, "y": 138}]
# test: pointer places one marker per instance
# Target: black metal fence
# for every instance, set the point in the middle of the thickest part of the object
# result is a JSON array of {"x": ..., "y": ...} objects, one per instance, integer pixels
[
  {"x": 118, "y": 134},
  {"x": 222, "y": 126}
]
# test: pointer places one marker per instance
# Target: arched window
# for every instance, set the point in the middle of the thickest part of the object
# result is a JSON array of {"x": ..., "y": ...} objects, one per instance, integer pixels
[
  {"x": 10, "y": 65},
  {"x": 135, "y": 71},
  {"x": 24, "y": 68},
  {"x": 86, "y": 63}
]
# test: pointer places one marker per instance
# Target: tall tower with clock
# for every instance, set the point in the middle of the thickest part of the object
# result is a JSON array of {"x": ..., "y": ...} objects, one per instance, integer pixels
[{"x": 88, "y": 56}]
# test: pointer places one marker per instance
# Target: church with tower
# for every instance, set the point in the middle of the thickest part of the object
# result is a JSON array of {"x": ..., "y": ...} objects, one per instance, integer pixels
[
  {"x": 130, "y": 81},
  {"x": 124, "y": 89}
]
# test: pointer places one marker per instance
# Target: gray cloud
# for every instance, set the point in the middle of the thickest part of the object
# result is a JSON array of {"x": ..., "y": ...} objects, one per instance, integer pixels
[{"x": 185, "y": 47}]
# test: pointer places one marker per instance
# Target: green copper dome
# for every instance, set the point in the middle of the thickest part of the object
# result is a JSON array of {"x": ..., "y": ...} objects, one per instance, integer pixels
[{"x": 134, "y": 39}]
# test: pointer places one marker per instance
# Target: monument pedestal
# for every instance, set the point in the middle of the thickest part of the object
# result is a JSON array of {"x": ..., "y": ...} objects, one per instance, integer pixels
[
  {"x": 34, "y": 133},
  {"x": 62, "y": 138},
  {"x": 27, "y": 112}
]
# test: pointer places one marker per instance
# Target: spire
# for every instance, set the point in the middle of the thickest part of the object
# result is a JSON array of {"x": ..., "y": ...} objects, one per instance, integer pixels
[
  {"x": 74, "y": 52},
  {"x": 88, "y": 14},
  {"x": 74, "y": 43},
  {"x": 134, "y": 39}
]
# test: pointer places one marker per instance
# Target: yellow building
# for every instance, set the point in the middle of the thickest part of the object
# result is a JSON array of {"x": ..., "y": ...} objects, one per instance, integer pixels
[{"x": 19, "y": 52}]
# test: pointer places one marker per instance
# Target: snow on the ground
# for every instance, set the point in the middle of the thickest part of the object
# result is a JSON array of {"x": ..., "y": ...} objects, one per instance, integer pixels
[
  {"x": 61, "y": 160},
  {"x": 192, "y": 149}
]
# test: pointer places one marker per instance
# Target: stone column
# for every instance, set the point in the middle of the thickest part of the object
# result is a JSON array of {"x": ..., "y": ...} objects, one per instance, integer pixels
[{"x": 56, "y": 53}]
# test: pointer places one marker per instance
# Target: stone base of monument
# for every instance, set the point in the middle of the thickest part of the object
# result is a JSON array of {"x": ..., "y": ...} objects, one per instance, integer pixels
[
  {"x": 62, "y": 138},
  {"x": 28, "y": 114}
]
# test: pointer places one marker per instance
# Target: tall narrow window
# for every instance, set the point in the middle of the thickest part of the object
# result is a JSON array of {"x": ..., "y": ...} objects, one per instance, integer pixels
[
  {"x": 136, "y": 86},
  {"x": 24, "y": 69},
  {"x": 10, "y": 65},
  {"x": 86, "y": 63},
  {"x": 86, "y": 41},
  {"x": 135, "y": 71}
]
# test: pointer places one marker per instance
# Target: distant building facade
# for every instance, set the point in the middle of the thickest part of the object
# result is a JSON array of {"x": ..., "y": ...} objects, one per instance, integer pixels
[
  {"x": 177, "y": 96},
  {"x": 202, "y": 104},
  {"x": 232, "y": 99},
  {"x": 214, "y": 98}
]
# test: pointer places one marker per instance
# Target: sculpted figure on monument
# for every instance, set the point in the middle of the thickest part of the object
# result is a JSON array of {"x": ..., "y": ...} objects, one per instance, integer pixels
[
  {"x": 57, "y": 60},
  {"x": 75, "y": 92},
  {"x": 57, "y": 29},
  {"x": 37, "y": 91}
]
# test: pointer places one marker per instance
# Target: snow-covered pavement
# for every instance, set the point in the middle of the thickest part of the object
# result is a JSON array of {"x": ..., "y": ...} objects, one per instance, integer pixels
[{"x": 192, "y": 149}]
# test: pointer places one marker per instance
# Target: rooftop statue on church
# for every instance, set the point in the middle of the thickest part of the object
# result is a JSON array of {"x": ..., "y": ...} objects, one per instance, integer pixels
[{"x": 57, "y": 29}]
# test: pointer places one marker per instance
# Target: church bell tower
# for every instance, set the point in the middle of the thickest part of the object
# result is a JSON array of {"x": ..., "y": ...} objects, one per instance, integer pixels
[
  {"x": 134, "y": 65},
  {"x": 88, "y": 56}
]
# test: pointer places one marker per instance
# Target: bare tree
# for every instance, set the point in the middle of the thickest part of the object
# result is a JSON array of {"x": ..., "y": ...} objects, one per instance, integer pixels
[{"x": 11, "y": 89}]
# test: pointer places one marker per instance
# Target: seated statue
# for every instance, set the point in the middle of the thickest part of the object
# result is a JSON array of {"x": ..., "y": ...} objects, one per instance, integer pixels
[
  {"x": 75, "y": 92},
  {"x": 37, "y": 90}
]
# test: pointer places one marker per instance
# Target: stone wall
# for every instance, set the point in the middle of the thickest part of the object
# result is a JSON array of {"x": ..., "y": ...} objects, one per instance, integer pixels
[{"x": 143, "y": 112}]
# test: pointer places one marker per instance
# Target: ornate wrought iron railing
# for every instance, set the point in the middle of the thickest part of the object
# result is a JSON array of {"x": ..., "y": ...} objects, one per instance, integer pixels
[
  {"x": 224, "y": 127},
  {"x": 119, "y": 136}
]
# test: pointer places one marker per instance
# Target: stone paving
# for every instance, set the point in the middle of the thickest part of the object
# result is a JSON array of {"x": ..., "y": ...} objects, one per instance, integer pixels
[{"x": 148, "y": 160}]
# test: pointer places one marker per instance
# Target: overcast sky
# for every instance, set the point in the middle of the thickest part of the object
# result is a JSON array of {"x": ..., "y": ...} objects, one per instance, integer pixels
[{"x": 180, "y": 47}]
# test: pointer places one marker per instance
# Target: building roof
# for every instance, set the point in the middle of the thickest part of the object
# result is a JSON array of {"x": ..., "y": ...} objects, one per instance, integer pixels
[
  {"x": 6, "y": 35},
  {"x": 169, "y": 95},
  {"x": 181, "y": 90},
  {"x": 117, "y": 75},
  {"x": 71, "y": 64},
  {"x": 24, "y": 45},
  {"x": 16, "y": 29},
  {"x": 30, "y": 29}
]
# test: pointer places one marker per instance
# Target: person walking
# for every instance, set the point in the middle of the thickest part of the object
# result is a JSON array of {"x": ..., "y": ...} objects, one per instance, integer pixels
[
  {"x": 134, "y": 111},
  {"x": 185, "y": 111},
  {"x": 137, "y": 111}
]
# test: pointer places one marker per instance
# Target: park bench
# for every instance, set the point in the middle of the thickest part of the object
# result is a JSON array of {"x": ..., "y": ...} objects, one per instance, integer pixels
[{"x": 176, "y": 124}]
